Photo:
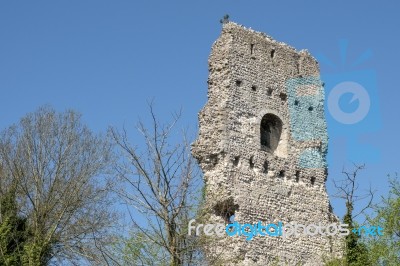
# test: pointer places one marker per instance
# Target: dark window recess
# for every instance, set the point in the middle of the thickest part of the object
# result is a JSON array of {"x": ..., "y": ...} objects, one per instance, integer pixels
[
  {"x": 269, "y": 91},
  {"x": 283, "y": 96},
  {"x": 296, "y": 102},
  {"x": 251, "y": 162},
  {"x": 236, "y": 161},
  {"x": 265, "y": 170},
  {"x": 251, "y": 48},
  {"x": 272, "y": 53},
  {"x": 270, "y": 132},
  {"x": 297, "y": 175},
  {"x": 282, "y": 173},
  {"x": 313, "y": 180},
  {"x": 238, "y": 82},
  {"x": 253, "y": 88}
]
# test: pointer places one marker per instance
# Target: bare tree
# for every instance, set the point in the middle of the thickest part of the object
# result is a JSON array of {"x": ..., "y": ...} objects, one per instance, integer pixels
[
  {"x": 57, "y": 167},
  {"x": 348, "y": 190},
  {"x": 356, "y": 253},
  {"x": 161, "y": 181}
]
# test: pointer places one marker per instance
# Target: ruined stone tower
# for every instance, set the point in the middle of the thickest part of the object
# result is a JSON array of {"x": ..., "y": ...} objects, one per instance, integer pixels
[{"x": 262, "y": 147}]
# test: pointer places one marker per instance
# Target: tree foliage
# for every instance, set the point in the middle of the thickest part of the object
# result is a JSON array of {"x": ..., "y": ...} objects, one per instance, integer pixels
[
  {"x": 13, "y": 230},
  {"x": 55, "y": 166},
  {"x": 355, "y": 251},
  {"x": 376, "y": 249},
  {"x": 385, "y": 250}
]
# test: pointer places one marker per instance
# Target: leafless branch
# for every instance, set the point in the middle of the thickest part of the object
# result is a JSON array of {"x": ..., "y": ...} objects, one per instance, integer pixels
[{"x": 162, "y": 183}]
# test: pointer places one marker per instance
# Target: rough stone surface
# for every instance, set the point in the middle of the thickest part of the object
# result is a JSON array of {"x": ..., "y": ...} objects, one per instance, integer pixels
[{"x": 262, "y": 147}]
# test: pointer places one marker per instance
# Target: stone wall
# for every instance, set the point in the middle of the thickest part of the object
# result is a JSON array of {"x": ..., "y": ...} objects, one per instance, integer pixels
[{"x": 262, "y": 147}]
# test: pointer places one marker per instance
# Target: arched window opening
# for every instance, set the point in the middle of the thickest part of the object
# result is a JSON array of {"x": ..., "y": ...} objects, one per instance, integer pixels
[{"x": 270, "y": 132}]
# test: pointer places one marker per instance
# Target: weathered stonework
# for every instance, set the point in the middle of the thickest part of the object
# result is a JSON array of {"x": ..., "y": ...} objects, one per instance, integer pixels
[{"x": 262, "y": 148}]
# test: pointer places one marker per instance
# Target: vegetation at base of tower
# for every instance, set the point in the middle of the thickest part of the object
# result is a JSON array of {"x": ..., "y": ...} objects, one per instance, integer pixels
[
  {"x": 385, "y": 250},
  {"x": 161, "y": 185},
  {"x": 13, "y": 229},
  {"x": 355, "y": 251},
  {"x": 53, "y": 196},
  {"x": 371, "y": 250}
]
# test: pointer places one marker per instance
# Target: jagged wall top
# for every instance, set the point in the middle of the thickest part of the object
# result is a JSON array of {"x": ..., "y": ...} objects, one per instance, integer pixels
[{"x": 230, "y": 26}]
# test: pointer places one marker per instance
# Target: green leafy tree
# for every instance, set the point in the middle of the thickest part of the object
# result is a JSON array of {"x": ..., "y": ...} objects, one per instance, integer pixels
[
  {"x": 13, "y": 230},
  {"x": 385, "y": 249},
  {"x": 355, "y": 252},
  {"x": 138, "y": 249}
]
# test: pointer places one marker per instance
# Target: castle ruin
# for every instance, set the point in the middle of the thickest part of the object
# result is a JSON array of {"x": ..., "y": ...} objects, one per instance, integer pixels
[{"x": 262, "y": 147}]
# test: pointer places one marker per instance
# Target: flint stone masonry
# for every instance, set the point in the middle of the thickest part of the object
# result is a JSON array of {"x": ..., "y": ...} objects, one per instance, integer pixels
[{"x": 262, "y": 147}]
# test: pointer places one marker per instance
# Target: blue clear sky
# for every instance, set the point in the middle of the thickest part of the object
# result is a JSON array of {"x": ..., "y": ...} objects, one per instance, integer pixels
[{"x": 106, "y": 58}]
